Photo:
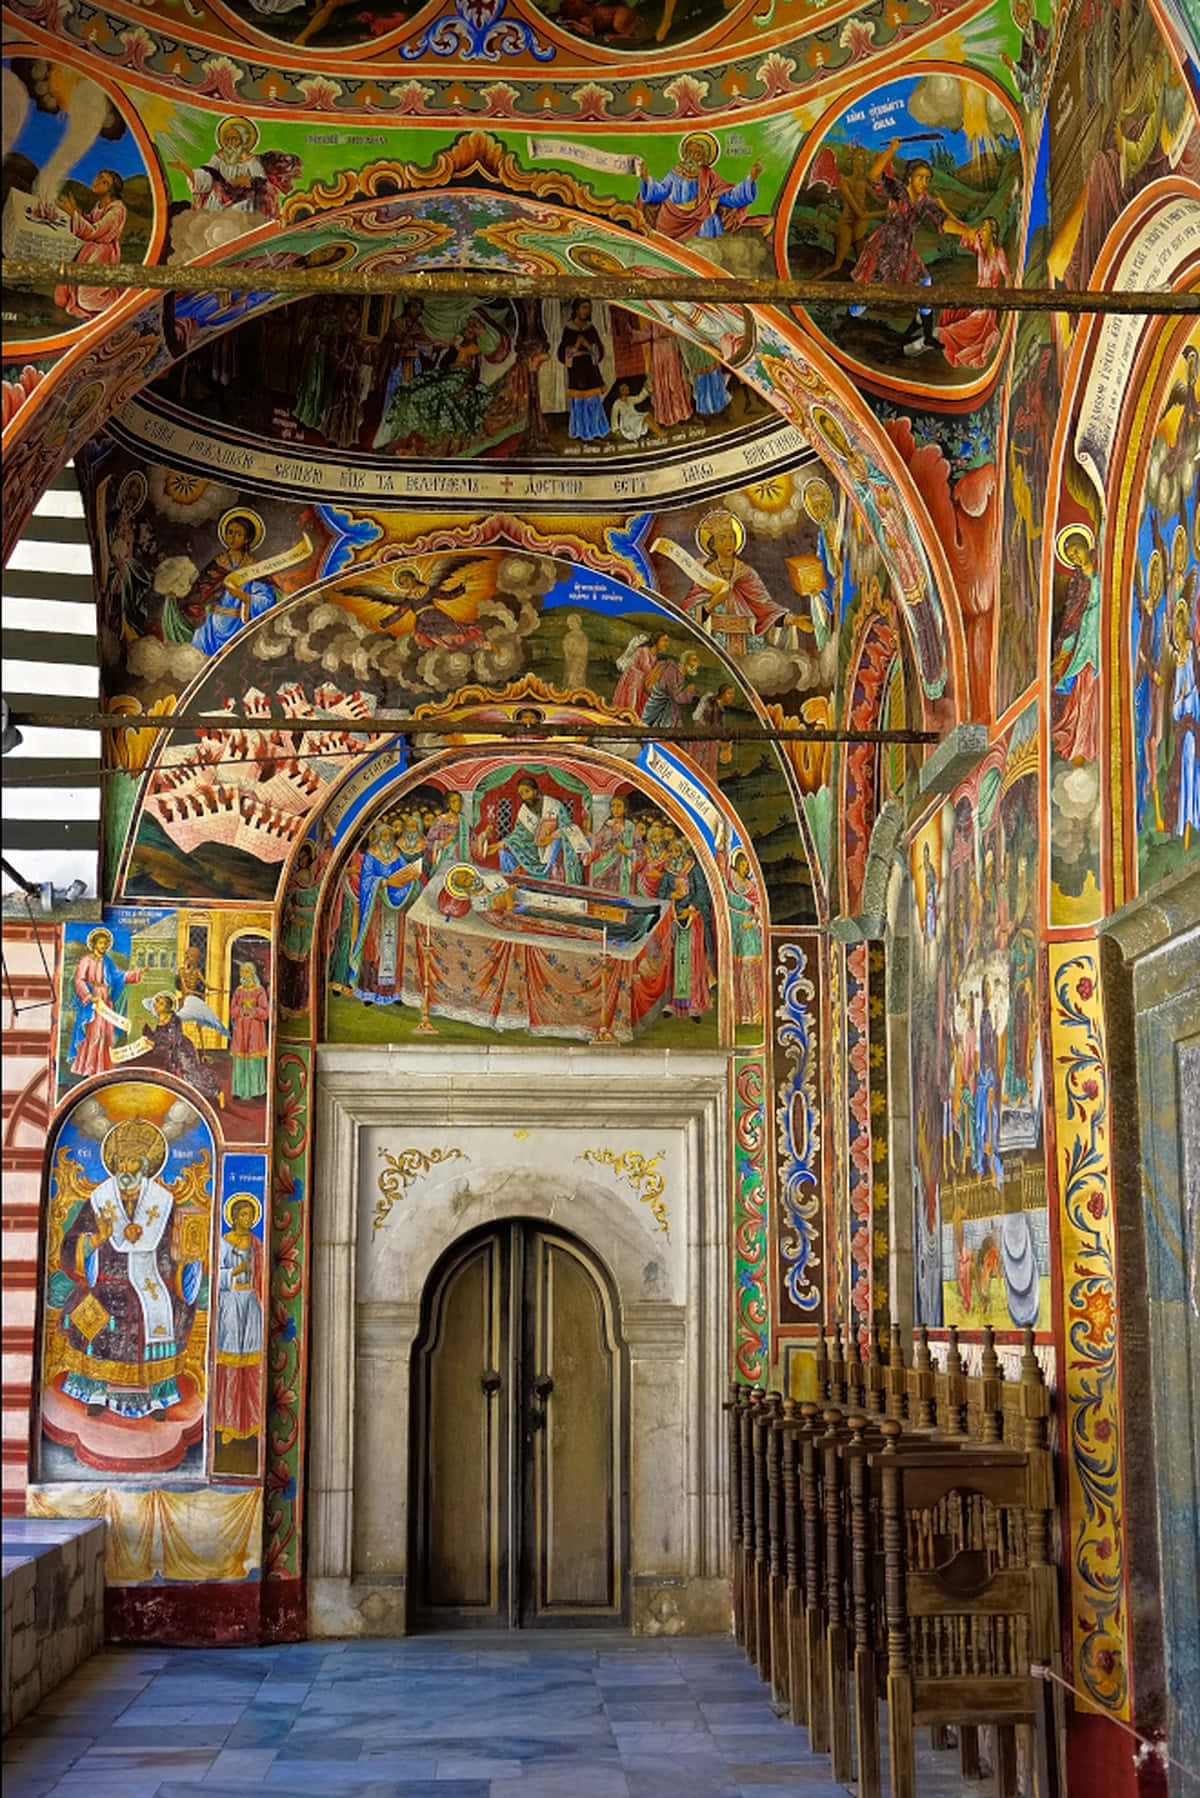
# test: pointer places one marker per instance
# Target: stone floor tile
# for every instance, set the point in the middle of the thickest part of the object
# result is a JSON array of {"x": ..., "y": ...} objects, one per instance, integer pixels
[
  {"x": 167, "y": 1761},
  {"x": 599, "y": 1783},
  {"x": 28, "y": 1751},
  {"x": 245, "y": 1764},
  {"x": 19, "y": 1784},
  {"x": 477, "y": 1767},
  {"x": 666, "y": 1711}
]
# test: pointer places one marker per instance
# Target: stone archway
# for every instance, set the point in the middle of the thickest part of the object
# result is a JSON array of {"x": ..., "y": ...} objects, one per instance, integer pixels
[{"x": 415, "y": 1149}]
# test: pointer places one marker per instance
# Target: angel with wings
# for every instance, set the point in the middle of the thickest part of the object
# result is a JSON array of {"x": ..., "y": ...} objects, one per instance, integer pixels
[{"x": 437, "y": 602}]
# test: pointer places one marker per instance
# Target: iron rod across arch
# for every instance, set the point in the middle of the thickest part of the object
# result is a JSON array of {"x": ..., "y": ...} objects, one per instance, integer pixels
[
  {"x": 244, "y": 278},
  {"x": 553, "y": 730}
]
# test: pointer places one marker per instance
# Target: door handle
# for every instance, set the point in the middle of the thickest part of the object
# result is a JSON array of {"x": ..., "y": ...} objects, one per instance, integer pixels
[
  {"x": 490, "y": 1381},
  {"x": 543, "y": 1386}
]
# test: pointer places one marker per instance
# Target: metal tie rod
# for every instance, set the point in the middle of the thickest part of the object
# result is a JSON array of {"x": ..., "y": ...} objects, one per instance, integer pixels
[
  {"x": 223, "y": 723},
  {"x": 247, "y": 278}
]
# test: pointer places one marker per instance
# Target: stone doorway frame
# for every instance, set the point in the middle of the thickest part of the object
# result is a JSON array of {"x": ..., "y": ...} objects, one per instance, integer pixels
[{"x": 678, "y": 1354}]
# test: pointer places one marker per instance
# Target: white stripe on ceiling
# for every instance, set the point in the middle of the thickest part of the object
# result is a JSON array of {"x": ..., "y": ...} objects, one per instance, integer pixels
[
  {"x": 61, "y": 866},
  {"x": 53, "y": 558},
  {"x": 49, "y": 677},
  {"x": 59, "y": 503},
  {"x": 64, "y": 745},
  {"x": 34, "y": 802},
  {"x": 64, "y": 617}
]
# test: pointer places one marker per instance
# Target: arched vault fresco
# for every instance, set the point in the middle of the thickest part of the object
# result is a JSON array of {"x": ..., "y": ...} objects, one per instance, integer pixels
[
  {"x": 223, "y": 809},
  {"x": 769, "y": 353}
]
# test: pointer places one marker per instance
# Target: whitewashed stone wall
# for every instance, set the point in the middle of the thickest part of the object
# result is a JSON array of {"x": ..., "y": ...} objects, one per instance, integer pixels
[{"x": 53, "y": 1606}]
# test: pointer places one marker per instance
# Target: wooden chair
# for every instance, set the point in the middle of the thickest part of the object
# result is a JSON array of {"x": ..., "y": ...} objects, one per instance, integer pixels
[{"x": 969, "y": 1601}]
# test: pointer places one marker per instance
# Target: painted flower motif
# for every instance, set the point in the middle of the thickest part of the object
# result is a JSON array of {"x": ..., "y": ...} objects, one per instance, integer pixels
[
  {"x": 591, "y": 100},
  {"x": 410, "y": 96},
  {"x": 1085, "y": 987},
  {"x": 1095, "y": 1205},
  {"x": 1090, "y": 1089},
  {"x": 687, "y": 94},
  {"x": 320, "y": 92},
  {"x": 858, "y": 37},
  {"x": 1106, "y": 1662},
  {"x": 1103, "y": 1430},
  {"x": 1099, "y": 1310},
  {"x": 139, "y": 45},
  {"x": 775, "y": 72},
  {"x": 221, "y": 78},
  {"x": 500, "y": 100}
]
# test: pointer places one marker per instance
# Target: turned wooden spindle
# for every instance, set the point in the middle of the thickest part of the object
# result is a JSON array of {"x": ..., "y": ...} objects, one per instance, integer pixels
[
  {"x": 875, "y": 1392},
  {"x": 991, "y": 1380},
  {"x": 749, "y": 1635},
  {"x": 762, "y": 1539},
  {"x": 856, "y": 1384},
  {"x": 814, "y": 1617},
  {"x": 899, "y": 1686},
  {"x": 954, "y": 1385},
  {"x": 862, "y": 1557},
  {"x": 923, "y": 1382},
  {"x": 733, "y": 1417},
  {"x": 822, "y": 1369},
  {"x": 777, "y": 1562},
  {"x": 794, "y": 1558},
  {"x": 897, "y": 1376},
  {"x": 837, "y": 1369},
  {"x": 837, "y": 1647}
]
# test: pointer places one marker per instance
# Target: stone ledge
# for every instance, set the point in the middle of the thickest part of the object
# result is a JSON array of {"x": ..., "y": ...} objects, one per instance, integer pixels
[{"x": 53, "y": 1605}]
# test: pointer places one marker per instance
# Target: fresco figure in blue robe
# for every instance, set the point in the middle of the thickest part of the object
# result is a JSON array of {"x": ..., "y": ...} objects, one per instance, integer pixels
[{"x": 388, "y": 884}]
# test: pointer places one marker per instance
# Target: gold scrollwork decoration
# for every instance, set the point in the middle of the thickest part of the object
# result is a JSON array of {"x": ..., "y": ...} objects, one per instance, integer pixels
[
  {"x": 404, "y": 1166},
  {"x": 473, "y": 156},
  {"x": 641, "y": 1171}
]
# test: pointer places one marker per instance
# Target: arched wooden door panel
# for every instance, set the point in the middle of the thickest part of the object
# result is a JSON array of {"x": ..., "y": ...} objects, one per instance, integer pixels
[{"x": 519, "y": 1510}]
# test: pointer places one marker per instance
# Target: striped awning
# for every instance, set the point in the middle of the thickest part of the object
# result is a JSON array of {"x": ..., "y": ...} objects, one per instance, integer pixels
[{"x": 52, "y": 778}]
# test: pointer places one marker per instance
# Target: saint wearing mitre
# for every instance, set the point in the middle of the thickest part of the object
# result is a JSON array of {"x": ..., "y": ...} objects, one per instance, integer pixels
[{"x": 127, "y": 1299}]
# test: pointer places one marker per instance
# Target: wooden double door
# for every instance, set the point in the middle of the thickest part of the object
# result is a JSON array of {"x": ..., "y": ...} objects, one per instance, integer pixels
[{"x": 519, "y": 1448}]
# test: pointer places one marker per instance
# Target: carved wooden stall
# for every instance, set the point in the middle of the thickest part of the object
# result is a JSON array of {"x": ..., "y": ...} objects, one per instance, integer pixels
[{"x": 893, "y": 1543}]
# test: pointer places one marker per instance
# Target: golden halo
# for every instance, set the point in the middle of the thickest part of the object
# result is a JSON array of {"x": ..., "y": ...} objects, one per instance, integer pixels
[
  {"x": 327, "y": 255},
  {"x": 461, "y": 881},
  {"x": 817, "y": 486},
  {"x": 699, "y": 147},
  {"x": 1179, "y": 549},
  {"x": 241, "y": 1198},
  {"x": 134, "y": 485},
  {"x": 134, "y": 1136},
  {"x": 595, "y": 260},
  {"x": 705, "y": 528},
  {"x": 1067, "y": 534},
  {"x": 102, "y": 931},
  {"x": 1154, "y": 577},
  {"x": 84, "y": 401},
  {"x": 257, "y": 527},
  {"x": 246, "y": 126}
]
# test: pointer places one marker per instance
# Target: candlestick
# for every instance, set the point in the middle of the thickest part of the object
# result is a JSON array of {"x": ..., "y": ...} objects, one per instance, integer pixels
[
  {"x": 604, "y": 1034},
  {"x": 424, "y": 1027}
]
